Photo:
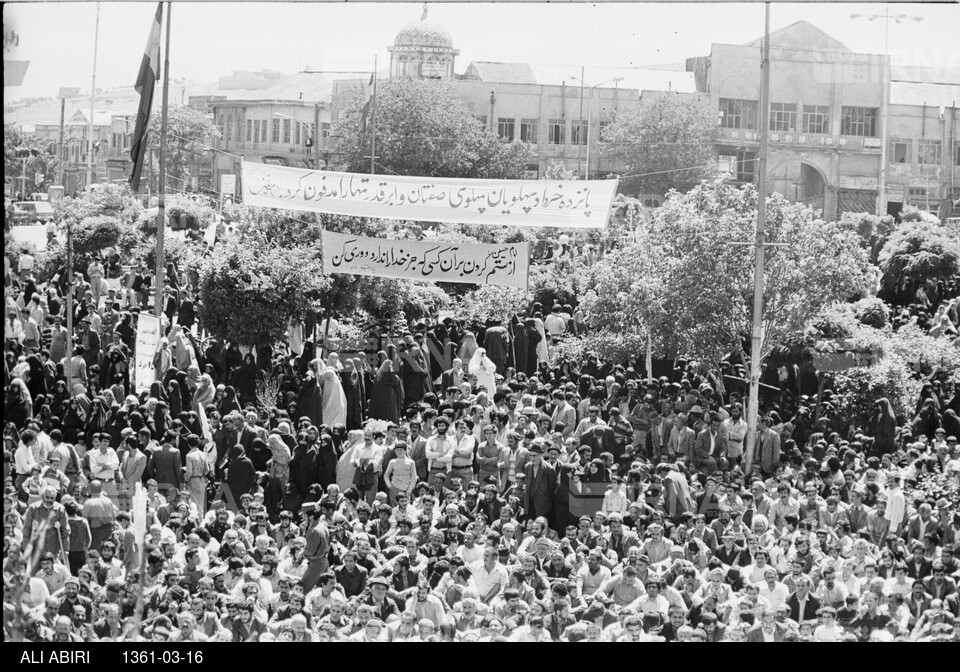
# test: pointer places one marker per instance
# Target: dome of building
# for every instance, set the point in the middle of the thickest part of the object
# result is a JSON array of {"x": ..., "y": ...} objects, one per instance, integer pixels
[{"x": 423, "y": 34}]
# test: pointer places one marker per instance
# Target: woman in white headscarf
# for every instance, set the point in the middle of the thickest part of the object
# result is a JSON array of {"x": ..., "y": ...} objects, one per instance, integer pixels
[
  {"x": 333, "y": 361},
  {"x": 484, "y": 369},
  {"x": 468, "y": 348},
  {"x": 334, "y": 399},
  {"x": 345, "y": 467},
  {"x": 204, "y": 393},
  {"x": 185, "y": 354}
]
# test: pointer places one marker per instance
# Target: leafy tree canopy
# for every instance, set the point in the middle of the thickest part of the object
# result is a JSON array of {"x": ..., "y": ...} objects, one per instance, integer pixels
[
  {"x": 669, "y": 134},
  {"x": 424, "y": 128},
  {"x": 917, "y": 254}
]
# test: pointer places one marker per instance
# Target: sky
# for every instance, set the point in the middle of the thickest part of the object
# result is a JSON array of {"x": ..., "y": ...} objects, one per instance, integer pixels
[{"x": 210, "y": 39}]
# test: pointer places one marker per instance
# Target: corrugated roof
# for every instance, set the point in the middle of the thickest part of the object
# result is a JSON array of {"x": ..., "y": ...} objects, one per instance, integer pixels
[
  {"x": 638, "y": 79},
  {"x": 508, "y": 73},
  {"x": 918, "y": 93},
  {"x": 313, "y": 87},
  {"x": 914, "y": 73}
]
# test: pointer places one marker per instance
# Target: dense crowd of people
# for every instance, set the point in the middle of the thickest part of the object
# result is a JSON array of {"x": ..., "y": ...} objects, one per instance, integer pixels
[{"x": 463, "y": 483}]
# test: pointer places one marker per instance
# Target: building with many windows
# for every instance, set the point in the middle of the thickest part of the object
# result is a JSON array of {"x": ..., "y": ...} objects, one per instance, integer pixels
[{"x": 831, "y": 111}]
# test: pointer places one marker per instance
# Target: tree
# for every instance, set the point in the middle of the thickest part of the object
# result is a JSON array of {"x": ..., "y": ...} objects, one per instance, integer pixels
[
  {"x": 670, "y": 134},
  {"x": 681, "y": 280},
  {"x": 188, "y": 132},
  {"x": 43, "y": 160},
  {"x": 424, "y": 128},
  {"x": 249, "y": 293},
  {"x": 918, "y": 255}
]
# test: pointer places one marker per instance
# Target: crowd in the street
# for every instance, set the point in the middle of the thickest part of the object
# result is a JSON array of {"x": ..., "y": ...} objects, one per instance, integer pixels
[{"x": 462, "y": 483}]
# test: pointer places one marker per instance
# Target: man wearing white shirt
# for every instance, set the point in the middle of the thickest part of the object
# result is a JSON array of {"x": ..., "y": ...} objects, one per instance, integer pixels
[
  {"x": 775, "y": 592},
  {"x": 735, "y": 428},
  {"x": 489, "y": 576},
  {"x": 896, "y": 503},
  {"x": 652, "y": 601},
  {"x": 104, "y": 461},
  {"x": 24, "y": 460}
]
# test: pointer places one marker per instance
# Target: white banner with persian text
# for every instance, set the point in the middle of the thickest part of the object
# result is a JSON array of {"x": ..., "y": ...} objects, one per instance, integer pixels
[
  {"x": 506, "y": 265},
  {"x": 568, "y": 204},
  {"x": 148, "y": 336}
]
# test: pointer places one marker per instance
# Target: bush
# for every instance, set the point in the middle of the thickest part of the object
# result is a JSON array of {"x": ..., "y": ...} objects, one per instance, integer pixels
[
  {"x": 619, "y": 348},
  {"x": 872, "y": 312},
  {"x": 248, "y": 295},
  {"x": 860, "y": 387},
  {"x": 917, "y": 255}
]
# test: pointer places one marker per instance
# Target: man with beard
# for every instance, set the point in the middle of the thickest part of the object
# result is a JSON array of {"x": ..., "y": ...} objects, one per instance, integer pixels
[
  {"x": 49, "y": 518},
  {"x": 317, "y": 547}
]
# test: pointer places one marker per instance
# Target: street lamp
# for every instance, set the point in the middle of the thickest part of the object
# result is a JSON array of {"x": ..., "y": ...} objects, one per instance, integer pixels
[{"x": 615, "y": 80}]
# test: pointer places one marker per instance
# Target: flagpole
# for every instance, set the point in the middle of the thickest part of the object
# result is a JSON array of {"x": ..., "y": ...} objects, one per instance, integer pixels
[
  {"x": 93, "y": 94},
  {"x": 373, "y": 121},
  {"x": 161, "y": 214}
]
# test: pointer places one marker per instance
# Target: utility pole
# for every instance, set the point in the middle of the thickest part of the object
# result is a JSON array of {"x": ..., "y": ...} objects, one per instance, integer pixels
[
  {"x": 63, "y": 110},
  {"x": 373, "y": 122},
  {"x": 753, "y": 402},
  {"x": 161, "y": 214},
  {"x": 93, "y": 96},
  {"x": 580, "y": 131}
]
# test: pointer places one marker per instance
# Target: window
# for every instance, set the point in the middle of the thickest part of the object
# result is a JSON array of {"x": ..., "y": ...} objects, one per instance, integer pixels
[
  {"x": 229, "y": 127},
  {"x": 860, "y": 121},
  {"x": 956, "y": 154},
  {"x": 296, "y": 134},
  {"x": 746, "y": 166},
  {"x": 738, "y": 113},
  {"x": 555, "y": 132},
  {"x": 249, "y": 130},
  {"x": 528, "y": 130},
  {"x": 263, "y": 130},
  {"x": 783, "y": 117},
  {"x": 324, "y": 130},
  {"x": 928, "y": 153},
  {"x": 578, "y": 132},
  {"x": 256, "y": 130},
  {"x": 816, "y": 119},
  {"x": 917, "y": 191},
  {"x": 505, "y": 129},
  {"x": 286, "y": 131},
  {"x": 275, "y": 135},
  {"x": 899, "y": 152},
  {"x": 603, "y": 129}
]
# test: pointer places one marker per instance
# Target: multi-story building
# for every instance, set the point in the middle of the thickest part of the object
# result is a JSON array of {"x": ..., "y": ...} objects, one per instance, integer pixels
[
  {"x": 76, "y": 145},
  {"x": 551, "y": 108},
  {"x": 830, "y": 112},
  {"x": 287, "y": 124}
]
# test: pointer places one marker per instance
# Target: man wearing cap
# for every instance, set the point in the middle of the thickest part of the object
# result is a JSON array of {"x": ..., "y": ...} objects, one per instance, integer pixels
[
  {"x": 541, "y": 487},
  {"x": 317, "y": 547},
  {"x": 49, "y": 517}
]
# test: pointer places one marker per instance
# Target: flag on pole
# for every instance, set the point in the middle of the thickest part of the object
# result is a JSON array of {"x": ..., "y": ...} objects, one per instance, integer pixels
[
  {"x": 146, "y": 79},
  {"x": 367, "y": 102}
]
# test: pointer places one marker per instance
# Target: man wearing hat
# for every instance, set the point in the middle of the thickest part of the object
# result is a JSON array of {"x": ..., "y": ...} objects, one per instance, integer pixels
[
  {"x": 541, "y": 480},
  {"x": 318, "y": 545}
]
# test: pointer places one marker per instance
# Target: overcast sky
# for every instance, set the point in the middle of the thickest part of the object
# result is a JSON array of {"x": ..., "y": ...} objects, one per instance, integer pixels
[{"x": 211, "y": 39}]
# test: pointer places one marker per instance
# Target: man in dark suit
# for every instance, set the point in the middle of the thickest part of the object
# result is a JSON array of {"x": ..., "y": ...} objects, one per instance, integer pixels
[
  {"x": 707, "y": 446},
  {"x": 541, "y": 484},
  {"x": 454, "y": 376},
  {"x": 166, "y": 465},
  {"x": 768, "y": 630},
  {"x": 803, "y": 605}
]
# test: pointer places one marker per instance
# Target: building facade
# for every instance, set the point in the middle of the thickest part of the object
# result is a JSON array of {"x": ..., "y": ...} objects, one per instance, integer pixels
[
  {"x": 287, "y": 124},
  {"x": 830, "y": 112}
]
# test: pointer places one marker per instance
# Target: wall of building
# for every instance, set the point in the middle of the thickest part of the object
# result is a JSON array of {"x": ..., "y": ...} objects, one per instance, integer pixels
[
  {"x": 914, "y": 175},
  {"x": 545, "y": 105},
  {"x": 801, "y": 155}
]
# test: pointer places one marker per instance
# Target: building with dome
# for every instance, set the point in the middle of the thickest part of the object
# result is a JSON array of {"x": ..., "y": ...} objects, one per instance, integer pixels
[{"x": 422, "y": 50}]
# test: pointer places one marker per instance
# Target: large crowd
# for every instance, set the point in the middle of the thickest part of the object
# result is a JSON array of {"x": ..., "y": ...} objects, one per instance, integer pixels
[{"x": 461, "y": 482}]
